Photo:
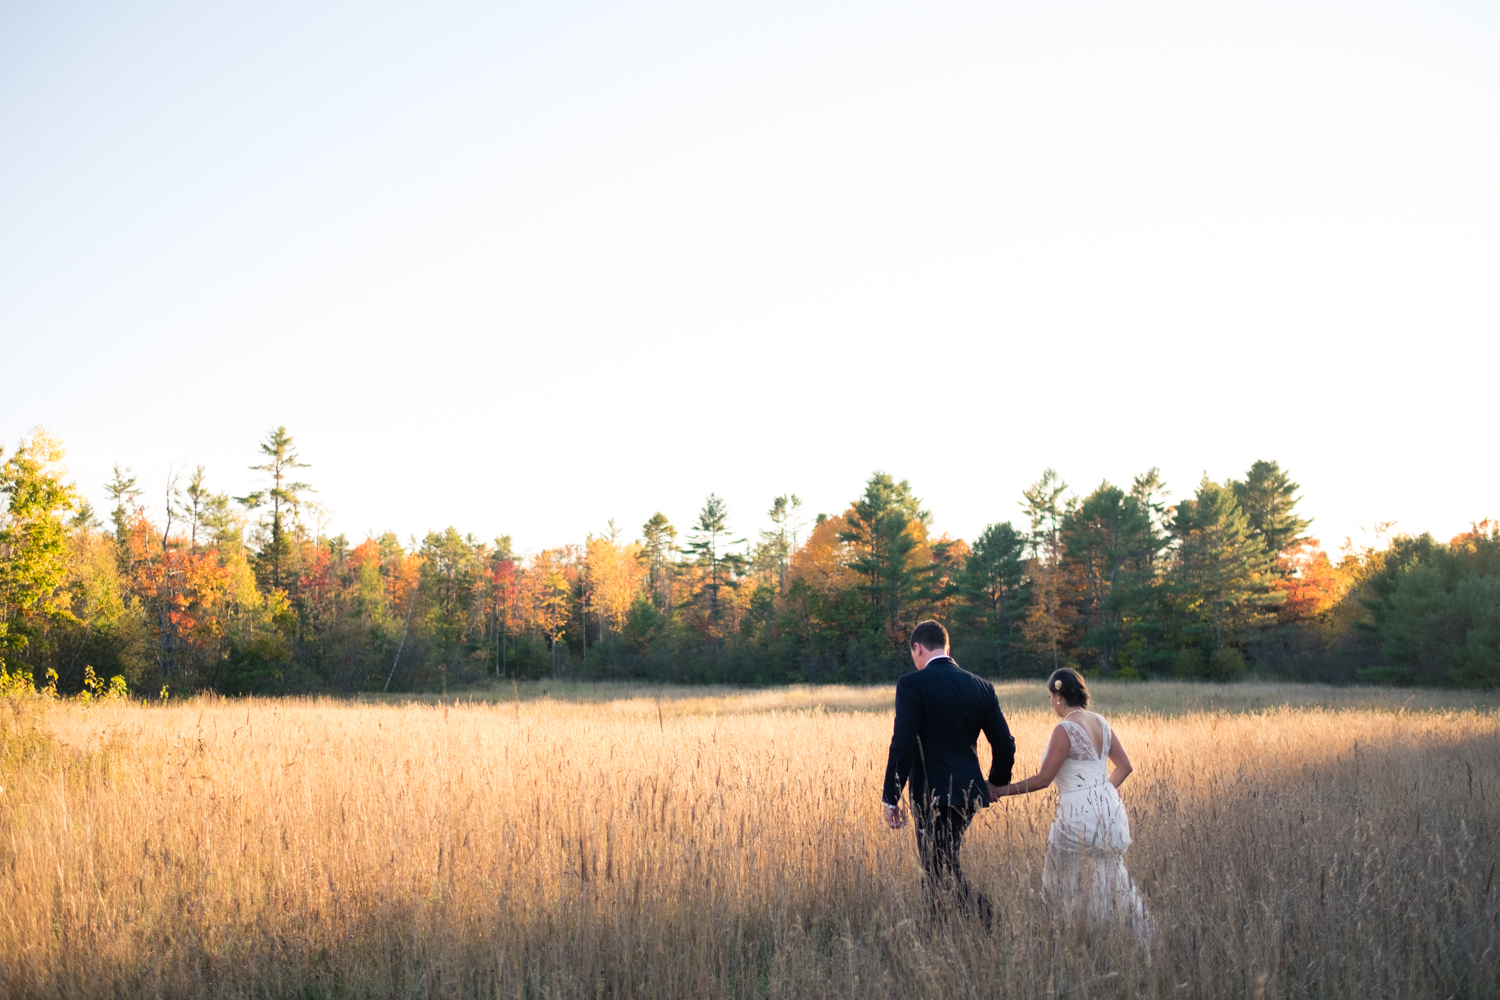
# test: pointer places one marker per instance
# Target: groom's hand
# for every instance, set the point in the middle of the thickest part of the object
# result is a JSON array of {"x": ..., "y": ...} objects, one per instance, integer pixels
[
  {"x": 996, "y": 791},
  {"x": 892, "y": 816}
]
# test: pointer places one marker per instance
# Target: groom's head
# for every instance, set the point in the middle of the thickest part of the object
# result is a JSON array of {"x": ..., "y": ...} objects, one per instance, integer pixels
[{"x": 928, "y": 639}]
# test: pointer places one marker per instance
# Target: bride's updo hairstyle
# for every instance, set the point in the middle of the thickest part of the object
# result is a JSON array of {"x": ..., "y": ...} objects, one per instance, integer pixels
[{"x": 1069, "y": 683}]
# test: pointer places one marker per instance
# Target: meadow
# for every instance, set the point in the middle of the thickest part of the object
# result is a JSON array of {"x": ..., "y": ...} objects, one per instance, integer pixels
[{"x": 547, "y": 840}]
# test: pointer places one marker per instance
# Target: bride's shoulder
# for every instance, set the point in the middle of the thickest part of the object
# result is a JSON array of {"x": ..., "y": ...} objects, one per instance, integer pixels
[{"x": 1099, "y": 720}]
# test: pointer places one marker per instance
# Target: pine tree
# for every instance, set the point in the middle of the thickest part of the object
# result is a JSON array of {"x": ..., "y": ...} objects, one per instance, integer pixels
[
  {"x": 658, "y": 539},
  {"x": 123, "y": 491},
  {"x": 709, "y": 545},
  {"x": 282, "y": 495},
  {"x": 1109, "y": 542},
  {"x": 879, "y": 525},
  {"x": 452, "y": 568},
  {"x": 992, "y": 590},
  {"x": 1049, "y": 620},
  {"x": 1269, "y": 499},
  {"x": 1147, "y": 490},
  {"x": 781, "y": 541},
  {"x": 196, "y": 505},
  {"x": 1223, "y": 580}
]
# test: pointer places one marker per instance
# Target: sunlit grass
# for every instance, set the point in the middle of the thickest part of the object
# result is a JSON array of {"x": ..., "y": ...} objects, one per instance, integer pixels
[
  {"x": 662, "y": 842},
  {"x": 1116, "y": 697}
]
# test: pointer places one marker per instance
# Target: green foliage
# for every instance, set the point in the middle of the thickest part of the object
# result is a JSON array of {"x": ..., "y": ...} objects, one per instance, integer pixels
[
  {"x": 258, "y": 667},
  {"x": 879, "y": 531},
  {"x": 33, "y": 534},
  {"x": 284, "y": 498},
  {"x": 1189, "y": 662},
  {"x": 1215, "y": 587},
  {"x": 708, "y": 544},
  {"x": 1226, "y": 664},
  {"x": 658, "y": 539},
  {"x": 992, "y": 592},
  {"x": 1111, "y": 547},
  {"x": 644, "y": 625},
  {"x": 778, "y": 544},
  {"x": 95, "y": 689},
  {"x": 452, "y": 566},
  {"x": 1223, "y": 585},
  {"x": 1050, "y": 618},
  {"x": 1269, "y": 499},
  {"x": 1435, "y": 611},
  {"x": 124, "y": 492}
]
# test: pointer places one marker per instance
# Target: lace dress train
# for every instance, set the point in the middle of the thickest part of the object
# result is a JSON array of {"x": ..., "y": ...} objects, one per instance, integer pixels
[{"x": 1084, "y": 868}]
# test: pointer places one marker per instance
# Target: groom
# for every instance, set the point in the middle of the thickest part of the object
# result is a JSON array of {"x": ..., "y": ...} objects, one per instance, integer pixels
[{"x": 940, "y": 710}]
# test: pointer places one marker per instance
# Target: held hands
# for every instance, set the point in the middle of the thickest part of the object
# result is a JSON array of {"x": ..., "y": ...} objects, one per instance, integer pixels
[{"x": 896, "y": 821}]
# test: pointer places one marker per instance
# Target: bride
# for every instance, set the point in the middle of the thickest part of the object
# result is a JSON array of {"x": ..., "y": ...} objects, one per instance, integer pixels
[{"x": 1084, "y": 870}]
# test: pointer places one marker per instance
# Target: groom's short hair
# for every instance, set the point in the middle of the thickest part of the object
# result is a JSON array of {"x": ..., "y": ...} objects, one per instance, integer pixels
[{"x": 929, "y": 635}]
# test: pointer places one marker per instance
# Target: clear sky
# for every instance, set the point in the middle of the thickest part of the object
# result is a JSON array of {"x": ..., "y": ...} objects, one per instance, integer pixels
[{"x": 525, "y": 268}]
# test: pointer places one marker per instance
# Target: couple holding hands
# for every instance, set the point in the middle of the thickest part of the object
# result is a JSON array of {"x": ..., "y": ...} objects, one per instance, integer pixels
[{"x": 940, "y": 711}]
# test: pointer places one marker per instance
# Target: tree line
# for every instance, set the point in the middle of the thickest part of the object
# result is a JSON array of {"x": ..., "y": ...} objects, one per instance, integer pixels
[{"x": 249, "y": 595}]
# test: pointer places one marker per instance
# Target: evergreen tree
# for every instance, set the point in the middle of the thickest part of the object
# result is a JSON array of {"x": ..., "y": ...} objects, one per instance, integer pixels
[
  {"x": 709, "y": 544},
  {"x": 992, "y": 591},
  {"x": 452, "y": 565},
  {"x": 1109, "y": 542},
  {"x": 84, "y": 517},
  {"x": 1223, "y": 579},
  {"x": 1269, "y": 499},
  {"x": 283, "y": 495},
  {"x": 123, "y": 491},
  {"x": 878, "y": 526},
  {"x": 1049, "y": 620},
  {"x": 196, "y": 505},
  {"x": 658, "y": 539},
  {"x": 1434, "y": 610},
  {"x": 781, "y": 541},
  {"x": 1147, "y": 490}
]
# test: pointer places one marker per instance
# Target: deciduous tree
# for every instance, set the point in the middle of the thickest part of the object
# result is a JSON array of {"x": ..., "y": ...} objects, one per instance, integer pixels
[{"x": 33, "y": 536}]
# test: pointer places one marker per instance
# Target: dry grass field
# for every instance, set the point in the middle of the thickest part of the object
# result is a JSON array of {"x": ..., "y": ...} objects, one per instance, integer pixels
[{"x": 612, "y": 842}]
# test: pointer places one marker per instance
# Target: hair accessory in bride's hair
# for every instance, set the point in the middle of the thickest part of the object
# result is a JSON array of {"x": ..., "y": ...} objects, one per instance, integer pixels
[{"x": 1057, "y": 685}]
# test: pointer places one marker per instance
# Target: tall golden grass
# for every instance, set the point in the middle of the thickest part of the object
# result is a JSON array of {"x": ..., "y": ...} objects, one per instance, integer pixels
[{"x": 726, "y": 845}]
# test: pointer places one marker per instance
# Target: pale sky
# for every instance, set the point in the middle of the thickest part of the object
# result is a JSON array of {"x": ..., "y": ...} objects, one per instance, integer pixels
[{"x": 525, "y": 268}]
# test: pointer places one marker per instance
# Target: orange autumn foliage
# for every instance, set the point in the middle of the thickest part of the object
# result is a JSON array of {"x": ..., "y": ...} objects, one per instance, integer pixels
[
  {"x": 822, "y": 562},
  {"x": 1312, "y": 587}
]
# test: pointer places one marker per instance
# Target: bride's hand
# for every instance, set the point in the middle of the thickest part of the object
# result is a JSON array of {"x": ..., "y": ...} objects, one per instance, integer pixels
[{"x": 996, "y": 791}]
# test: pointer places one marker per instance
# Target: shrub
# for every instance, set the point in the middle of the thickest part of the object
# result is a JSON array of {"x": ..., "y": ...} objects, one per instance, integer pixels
[
  {"x": 1227, "y": 664},
  {"x": 1188, "y": 663}
]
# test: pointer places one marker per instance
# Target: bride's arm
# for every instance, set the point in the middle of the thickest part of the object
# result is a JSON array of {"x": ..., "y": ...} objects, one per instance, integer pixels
[
  {"x": 1052, "y": 762},
  {"x": 1121, "y": 760}
]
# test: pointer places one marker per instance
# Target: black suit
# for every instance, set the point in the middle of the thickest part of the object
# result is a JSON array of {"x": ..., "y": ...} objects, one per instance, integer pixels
[{"x": 940, "y": 711}]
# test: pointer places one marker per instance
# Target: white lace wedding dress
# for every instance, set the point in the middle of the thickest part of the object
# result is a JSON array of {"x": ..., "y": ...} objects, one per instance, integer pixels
[{"x": 1084, "y": 869}]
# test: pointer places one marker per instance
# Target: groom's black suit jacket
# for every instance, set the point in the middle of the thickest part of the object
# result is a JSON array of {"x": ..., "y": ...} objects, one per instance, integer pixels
[{"x": 940, "y": 711}]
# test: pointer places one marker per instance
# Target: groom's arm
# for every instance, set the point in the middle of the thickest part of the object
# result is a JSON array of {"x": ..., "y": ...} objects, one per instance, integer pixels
[
  {"x": 1002, "y": 744},
  {"x": 903, "y": 743}
]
